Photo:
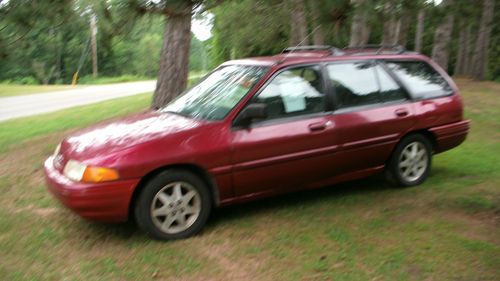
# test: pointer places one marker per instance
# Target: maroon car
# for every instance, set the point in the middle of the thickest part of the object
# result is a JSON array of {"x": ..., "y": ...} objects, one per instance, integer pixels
[{"x": 306, "y": 118}]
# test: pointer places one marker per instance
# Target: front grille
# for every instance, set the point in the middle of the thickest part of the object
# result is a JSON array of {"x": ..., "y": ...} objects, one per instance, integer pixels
[{"x": 58, "y": 162}]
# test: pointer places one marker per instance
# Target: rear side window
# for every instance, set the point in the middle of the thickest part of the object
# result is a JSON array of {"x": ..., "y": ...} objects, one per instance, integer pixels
[
  {"x": 363, "y": 83},
  {"x": 389, "y": 89},
  {"x": 420, "y": 78},
  {"x": 355, "y": 84}
]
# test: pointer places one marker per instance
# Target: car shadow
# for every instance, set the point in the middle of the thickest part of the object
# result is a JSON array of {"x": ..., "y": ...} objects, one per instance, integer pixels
[
  {"x": 237, "y": 212},
  {"x": 373, "y": 184}
]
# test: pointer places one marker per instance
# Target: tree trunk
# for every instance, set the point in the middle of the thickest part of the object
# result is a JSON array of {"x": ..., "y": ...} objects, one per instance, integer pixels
[
  {"x": 360, "y": 31},
  {"x": 389, "y": 23},
  {"x": 480, "y": 58},
  {"x": 93, "y": 42},
  {"x": 403, "y": 26},
  {"x": 442, "y": 37},
  {"x": 468, "y": 50},
  {"x": 319, "y": 33},
  {"x": 174, "y": 60},
  {"x": 419, "y": 33},
  {"x": 460, "y": 63},
  {"x": 298, "y": 23}
]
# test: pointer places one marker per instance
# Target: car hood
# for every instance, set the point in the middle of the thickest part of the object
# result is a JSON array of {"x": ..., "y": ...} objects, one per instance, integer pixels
[{"x": 113, "y": 136}]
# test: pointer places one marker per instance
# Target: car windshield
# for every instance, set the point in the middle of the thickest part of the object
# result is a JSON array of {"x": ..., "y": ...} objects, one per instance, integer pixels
[{"x": 218, "y": 93}]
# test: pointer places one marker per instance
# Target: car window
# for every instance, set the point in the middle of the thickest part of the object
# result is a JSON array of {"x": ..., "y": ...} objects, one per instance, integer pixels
[
  {"x": 389, "y": 89},
  {"x": 294, "y": 92},
  {"x": 218, "y": 93},
  {"x": 354, "y": 83},
  {"x": 420, "y": 78}
]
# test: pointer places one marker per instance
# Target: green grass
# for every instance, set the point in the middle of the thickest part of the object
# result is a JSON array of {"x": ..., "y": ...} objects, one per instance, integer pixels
[
  {"x": 7, "y": 90},
  {"x": 193, "y": 77},
  {"x": 76, "y": 117},
  {"x": 110, "y": 80},
  {"x": 445, "y": 229}
]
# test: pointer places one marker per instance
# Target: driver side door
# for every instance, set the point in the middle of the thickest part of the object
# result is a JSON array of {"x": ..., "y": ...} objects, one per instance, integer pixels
[{"x": 293, "y": 145}]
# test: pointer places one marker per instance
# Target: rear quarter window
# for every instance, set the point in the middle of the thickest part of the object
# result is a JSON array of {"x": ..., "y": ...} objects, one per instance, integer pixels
[{"x": 421, "y": 80}]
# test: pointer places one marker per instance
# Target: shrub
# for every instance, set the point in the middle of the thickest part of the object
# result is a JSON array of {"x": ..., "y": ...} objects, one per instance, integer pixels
[{"x": 28, "y": 80}]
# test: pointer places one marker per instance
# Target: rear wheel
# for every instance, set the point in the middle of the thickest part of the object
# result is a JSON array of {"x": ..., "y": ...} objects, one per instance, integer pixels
[
  {"x": 411, "y": 161},
  {"x": 175, "y": 204}
]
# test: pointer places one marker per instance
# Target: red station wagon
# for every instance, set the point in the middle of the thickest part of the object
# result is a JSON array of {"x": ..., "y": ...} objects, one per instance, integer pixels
[{"x": 309, "y": 117}]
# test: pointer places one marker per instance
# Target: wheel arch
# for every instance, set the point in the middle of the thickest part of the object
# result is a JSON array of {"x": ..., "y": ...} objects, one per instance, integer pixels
[
  {"x": 195, "y": 169},
  {"x": 426, "y": 133}
]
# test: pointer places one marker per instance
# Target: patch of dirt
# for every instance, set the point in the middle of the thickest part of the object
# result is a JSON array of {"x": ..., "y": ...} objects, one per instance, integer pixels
[
  {"x": 21, "y": 170},
  {"x": 232, "y": 269},
  {"x": 481, "y": 226}
]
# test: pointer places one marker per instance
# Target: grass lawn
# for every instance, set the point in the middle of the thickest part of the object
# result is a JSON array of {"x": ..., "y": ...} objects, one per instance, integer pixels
[
  {"x": 7, "y": 90},
  {"x": 445, "y": 229},
  {"x": 72, "y": 118}
]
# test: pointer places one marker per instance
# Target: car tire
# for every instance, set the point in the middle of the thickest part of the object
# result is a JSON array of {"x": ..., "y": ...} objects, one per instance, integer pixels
[
  {"x": 410, "y": 162},
  {"x": 174, "y": 204}
]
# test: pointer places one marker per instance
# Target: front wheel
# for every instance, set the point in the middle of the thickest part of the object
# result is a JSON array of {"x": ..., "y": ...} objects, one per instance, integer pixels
[
  {"x": 175, "y": 204},
  {"x": 411, "y": 161}
]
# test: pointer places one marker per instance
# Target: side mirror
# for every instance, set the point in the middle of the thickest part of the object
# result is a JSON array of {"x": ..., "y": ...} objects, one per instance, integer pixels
[{"x": 250, "y": 112}]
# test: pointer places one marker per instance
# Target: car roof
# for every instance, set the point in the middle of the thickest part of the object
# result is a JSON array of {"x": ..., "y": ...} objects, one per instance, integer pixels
[{"x": 325, "y": 55}]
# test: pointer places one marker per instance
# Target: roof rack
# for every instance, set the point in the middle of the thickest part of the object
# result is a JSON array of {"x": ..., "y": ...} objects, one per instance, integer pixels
[
  {"x": 376, "y": 49},
  {"x": 306, "y": 48},
  {"x": 397, "y": 49},
  {"x": 334, "y": 50}
]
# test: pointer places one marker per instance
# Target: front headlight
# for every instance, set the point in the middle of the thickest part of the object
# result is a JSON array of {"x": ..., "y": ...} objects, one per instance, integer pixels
[
  {"x": 77, "y": 171},
  {"x": 74, "y": 170}
]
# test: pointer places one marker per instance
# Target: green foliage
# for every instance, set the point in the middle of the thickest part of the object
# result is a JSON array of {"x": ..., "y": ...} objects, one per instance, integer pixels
[
  {"x": 28, "y": 80},
  {"x": 249, "y": 28},
  {"x": 34, "y": 39},
  {"x": 88, "y": 79},
  {"x": 46, "y": 40},
  {"x": 49, "y": 49},
  {"x": 199, "y": 59},
  {"x": 253, "y": 28}
]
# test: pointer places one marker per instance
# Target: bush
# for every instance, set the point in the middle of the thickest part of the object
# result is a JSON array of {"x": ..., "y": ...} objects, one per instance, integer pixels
[
  {"x": 28, "y": 80},
  {"x": 108, "y": 80}
]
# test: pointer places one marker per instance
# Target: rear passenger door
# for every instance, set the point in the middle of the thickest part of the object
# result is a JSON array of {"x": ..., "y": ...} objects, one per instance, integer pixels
[{"x": 371, "y": 113}]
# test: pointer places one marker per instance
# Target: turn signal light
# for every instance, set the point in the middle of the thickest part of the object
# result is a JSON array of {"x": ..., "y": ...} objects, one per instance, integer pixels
[{"x": 99, "y": 174}]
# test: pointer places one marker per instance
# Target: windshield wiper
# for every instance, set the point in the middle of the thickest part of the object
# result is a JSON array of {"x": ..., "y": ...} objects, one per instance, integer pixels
[{"x": 177, "y": 113}]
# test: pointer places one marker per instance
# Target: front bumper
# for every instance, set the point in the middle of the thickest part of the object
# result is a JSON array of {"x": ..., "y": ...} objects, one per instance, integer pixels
[{"x": 107, "y": 202}]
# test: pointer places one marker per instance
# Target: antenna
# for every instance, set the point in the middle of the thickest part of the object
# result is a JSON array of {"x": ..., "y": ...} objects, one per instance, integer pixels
[{"x": 300, "y": 43}]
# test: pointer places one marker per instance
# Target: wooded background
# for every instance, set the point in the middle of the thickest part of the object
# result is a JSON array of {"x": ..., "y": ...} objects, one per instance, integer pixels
[{"x": 46, "y": 41}]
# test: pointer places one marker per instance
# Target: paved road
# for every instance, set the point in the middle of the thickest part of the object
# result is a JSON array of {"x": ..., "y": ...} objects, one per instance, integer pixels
[{"x": 19, "y": 106}]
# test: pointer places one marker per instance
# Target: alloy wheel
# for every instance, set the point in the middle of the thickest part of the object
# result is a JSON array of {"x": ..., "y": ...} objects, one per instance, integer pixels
[
  {"x": 175, "y": 207},
  {"x": 413, "y": 161}
]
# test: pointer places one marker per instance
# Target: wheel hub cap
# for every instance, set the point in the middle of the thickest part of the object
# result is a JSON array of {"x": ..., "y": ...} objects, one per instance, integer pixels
[
  {"x": 175, "y": 207},
  {"x": 413, "y": 161}
]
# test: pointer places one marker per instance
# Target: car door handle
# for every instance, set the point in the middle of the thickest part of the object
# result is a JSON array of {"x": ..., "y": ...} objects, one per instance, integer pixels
[
  {"x": 318, "y": 126},
  {"x": 401, "y": 112}
]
